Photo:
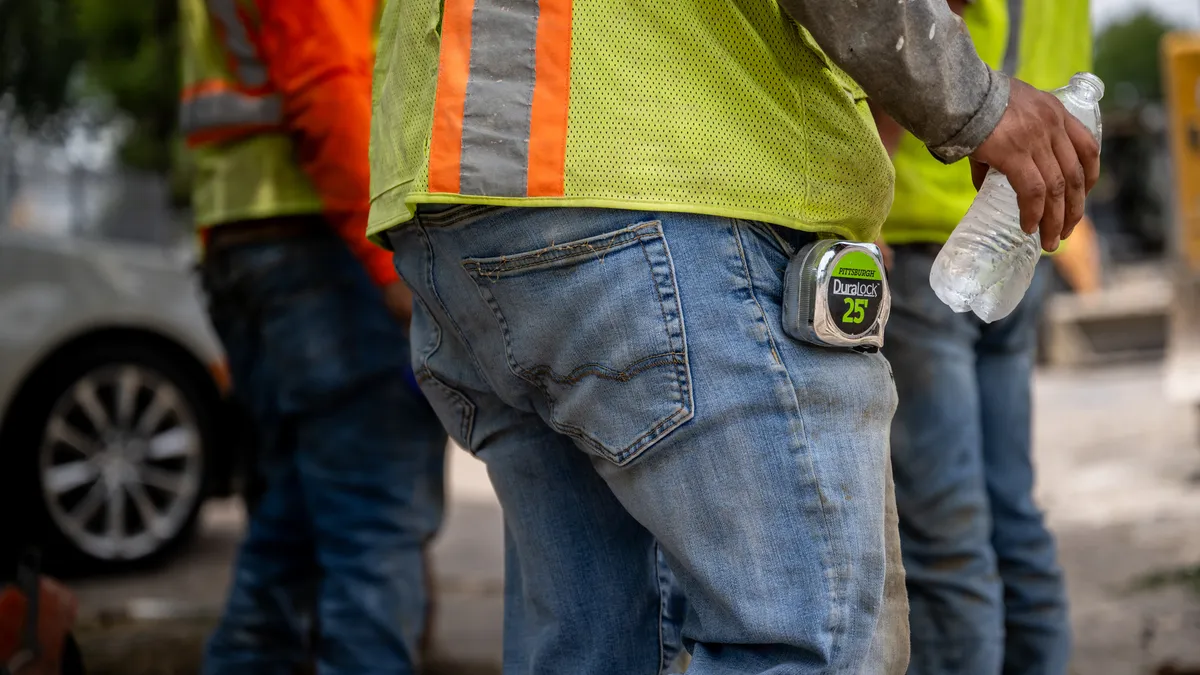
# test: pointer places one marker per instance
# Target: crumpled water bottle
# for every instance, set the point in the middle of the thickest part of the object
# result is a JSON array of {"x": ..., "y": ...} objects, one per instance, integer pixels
[{"x": 988, "y": 262}]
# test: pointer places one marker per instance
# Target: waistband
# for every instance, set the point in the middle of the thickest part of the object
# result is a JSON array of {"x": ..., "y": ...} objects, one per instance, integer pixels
[{"x": 248, "y": 232}]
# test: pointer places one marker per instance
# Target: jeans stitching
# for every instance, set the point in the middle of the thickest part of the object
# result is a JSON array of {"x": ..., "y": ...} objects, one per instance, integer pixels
[
  {"x": 460, "y": 402},
  {"x": 662, "y": 601},
  {"x": 467, "y": 425},
  {"x": 479, "y": 269},
  {"x": 830, "y": 556},
  {"x": 491, "y": 268},
  {"x": 602, "y": 372}
]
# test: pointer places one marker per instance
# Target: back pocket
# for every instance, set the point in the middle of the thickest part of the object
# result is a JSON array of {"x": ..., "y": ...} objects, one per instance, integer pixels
[{"x": 596, "y": 326}]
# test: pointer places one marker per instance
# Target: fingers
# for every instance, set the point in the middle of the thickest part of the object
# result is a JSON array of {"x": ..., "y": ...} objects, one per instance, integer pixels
[
  {"x": 1076, "y": 182},
  {"x": 1051, "y": 224},
  {"x": 1027, "y": 182},
  {"x": 1086, "y": 149}
]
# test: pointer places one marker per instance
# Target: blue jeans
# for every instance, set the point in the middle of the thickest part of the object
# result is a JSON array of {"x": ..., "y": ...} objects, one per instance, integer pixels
[
  {"x": 352, "y": 459},
  {"x": 986, "y": 591},
  {"x": 626, "y": 379}
]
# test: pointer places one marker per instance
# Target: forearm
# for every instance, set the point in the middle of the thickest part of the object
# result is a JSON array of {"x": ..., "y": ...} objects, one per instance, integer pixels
[
  {"x": 318, "y": 53},
  {"x": 916, "y": 61},
  {"x": 328, "y": 120}
]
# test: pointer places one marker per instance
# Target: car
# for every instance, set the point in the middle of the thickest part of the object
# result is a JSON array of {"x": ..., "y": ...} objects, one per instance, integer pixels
[{"x": 114, "y": 414}]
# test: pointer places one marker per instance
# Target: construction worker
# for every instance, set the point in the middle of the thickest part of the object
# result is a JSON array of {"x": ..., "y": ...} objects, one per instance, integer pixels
[
  {"x": 595, "y": 205},
  {"x": 276, "y": 105},
  {"x": 985, "y": 588}
]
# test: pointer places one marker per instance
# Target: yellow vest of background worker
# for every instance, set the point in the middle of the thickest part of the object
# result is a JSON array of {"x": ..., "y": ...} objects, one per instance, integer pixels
[{"x": 1044, "y": 46}]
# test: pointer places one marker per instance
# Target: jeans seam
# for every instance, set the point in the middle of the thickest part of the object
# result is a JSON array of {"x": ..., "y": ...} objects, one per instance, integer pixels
[
  {"x": 491, "y": 268},
  {"x": 676, "y": 341},
  {"x": 662, "y": 655},
  {"x": 829, "y": 557},
  {"x": 537, "y": 376},
  {"x": 469, "y": 426}
]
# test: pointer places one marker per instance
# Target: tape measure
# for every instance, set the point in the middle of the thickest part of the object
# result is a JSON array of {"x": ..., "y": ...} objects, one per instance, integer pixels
[{"x": 836, "y": 294}]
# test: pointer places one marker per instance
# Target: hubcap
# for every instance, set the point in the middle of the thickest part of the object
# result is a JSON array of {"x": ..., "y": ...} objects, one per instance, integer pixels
[{"x": 121, "y": 464}]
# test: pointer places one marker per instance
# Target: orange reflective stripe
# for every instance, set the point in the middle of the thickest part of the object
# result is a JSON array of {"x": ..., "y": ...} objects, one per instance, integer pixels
[
  {"x": 454, "y": 65},
  {"x": 204, "y": 87},
  {"x": 551, "y": 99}
]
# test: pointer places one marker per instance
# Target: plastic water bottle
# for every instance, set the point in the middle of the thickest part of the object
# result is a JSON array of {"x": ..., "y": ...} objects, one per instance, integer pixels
[{"x": 988, "y": 263}]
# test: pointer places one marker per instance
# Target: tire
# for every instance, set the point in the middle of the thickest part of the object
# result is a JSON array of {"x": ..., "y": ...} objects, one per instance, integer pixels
[{"x": 111, "y": 445}]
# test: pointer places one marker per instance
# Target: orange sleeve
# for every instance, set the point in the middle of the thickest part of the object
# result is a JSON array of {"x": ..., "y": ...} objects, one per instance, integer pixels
[{"x": 319, "y": 54}]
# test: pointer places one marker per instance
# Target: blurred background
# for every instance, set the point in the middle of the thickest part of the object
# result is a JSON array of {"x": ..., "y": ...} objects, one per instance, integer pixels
[{"x": 96, "y": 259}]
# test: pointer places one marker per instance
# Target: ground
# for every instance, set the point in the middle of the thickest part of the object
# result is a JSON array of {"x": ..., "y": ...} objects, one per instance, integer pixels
[{"x": 1118, "y": 469}]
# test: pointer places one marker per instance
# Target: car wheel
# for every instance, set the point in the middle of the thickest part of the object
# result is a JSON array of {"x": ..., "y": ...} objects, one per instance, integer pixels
[{"x": 118, "y": 455}]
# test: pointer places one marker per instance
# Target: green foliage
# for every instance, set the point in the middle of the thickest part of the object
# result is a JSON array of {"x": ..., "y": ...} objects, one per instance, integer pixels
[
  {"x": 113, "y": 57},
  {"x": 131, "y": 56},
  {"x": 1127, "y": 59},
  {"x": 39, "y": 52}
]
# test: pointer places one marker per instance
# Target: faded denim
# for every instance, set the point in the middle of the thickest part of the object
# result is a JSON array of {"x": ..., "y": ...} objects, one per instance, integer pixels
[
  {"x": 352, "y": 457},
  {"x": 985, "y": 587},
  {"x": 625, "y": 378}
]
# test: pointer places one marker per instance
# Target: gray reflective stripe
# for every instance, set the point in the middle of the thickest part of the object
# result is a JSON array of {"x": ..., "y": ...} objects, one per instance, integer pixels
[
  {"x": 1012, "y": 53},
  {"x": 224, "y": 109},
  {"x": 496, "y": 112},
  {"x": 250, "y": 69}
]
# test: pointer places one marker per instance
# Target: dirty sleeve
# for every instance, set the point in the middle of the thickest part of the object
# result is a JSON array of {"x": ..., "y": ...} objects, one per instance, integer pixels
[{"x": 915, "y": 60}]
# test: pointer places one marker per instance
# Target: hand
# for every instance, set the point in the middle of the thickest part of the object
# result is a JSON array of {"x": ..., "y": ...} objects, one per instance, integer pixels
[
  {"x": 1049, "y": 158},
  {"x": 399, "y": 301},
  {"x": 886, "y": 252}
]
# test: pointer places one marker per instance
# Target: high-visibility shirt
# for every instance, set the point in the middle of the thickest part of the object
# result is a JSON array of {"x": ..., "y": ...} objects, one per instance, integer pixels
[
  {"x": 721, "y": 107},
  {"x": 1052, "y": 41},
  {"x": 276, "y": 105}
]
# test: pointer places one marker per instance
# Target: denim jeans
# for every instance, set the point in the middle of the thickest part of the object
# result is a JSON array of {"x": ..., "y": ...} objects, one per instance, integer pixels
[
  {"x": 986, "y": 591},
  {"x": 625, "y": 377},
  {"x": 352, "y": 458}
]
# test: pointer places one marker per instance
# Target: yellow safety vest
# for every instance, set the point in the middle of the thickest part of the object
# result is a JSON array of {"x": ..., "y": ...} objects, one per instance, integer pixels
[
  {"x": 722, "y": 107},
  {"x": 244, "y": 161},
  {"x": 1053, "y": 43}
]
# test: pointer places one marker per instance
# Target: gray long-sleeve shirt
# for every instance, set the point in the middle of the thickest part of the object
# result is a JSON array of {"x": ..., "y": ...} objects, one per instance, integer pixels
[{"x": 915, "y": 59}]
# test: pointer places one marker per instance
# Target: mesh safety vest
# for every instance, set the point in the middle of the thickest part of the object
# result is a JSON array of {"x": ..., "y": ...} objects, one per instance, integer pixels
[
  {"x": 233, "y": 120},
  {"x": 722, "y": 107},
  {"x": 1052, "y": 41}
]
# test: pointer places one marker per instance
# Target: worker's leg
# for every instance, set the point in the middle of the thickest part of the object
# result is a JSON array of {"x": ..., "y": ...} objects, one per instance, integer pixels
[
  {"x": 945, "y": 524},
  {"x": 654, "y": 343},
  {"x": 260, "y": 631},
  {"x": 583, "y": 592},
  {"x": 374, "y": 504},
  {"x": 674, "y": 609},
  {"x": 1037, "y": 624},
  {"x": 362, "y": 444},
  {"x": 369, "y": 453}
]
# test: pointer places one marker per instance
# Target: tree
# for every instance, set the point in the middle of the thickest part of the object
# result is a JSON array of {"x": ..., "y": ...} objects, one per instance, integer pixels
[
  {"x": 39, "y": 51},
  {"x": 1127, "y": 60},
  {"x": 107, "y": 58}
]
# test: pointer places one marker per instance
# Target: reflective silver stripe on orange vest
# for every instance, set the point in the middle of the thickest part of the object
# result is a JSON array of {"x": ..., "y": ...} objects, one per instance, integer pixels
[
  {"x": 220, "y": 110},
  {"x": 250, "y": 69},
  {"x": 496, "y": 114}
]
